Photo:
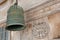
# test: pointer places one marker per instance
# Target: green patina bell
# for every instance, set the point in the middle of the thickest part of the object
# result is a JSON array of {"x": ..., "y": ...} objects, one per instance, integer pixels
[{"x": 15, "y": 18}]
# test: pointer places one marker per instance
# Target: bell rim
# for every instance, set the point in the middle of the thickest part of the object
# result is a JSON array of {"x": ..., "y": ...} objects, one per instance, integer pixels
[
  {"x": 16, "y": 24},
  {"x": 17, "y": 30}
]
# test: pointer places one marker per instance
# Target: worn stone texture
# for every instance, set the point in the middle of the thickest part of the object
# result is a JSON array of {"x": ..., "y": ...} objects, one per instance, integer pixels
[
  {"x": 34, "y": 11},
  {"x": 54, "y": 20}
]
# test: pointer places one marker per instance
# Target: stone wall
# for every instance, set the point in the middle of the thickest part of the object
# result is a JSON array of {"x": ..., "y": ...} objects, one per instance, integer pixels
[{"x": 40, "y": 16}]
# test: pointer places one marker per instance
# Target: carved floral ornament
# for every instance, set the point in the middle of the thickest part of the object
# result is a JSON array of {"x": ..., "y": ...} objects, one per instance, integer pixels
[
  {"x": 38, "y": 26},
  {"x": 41, "y": 27}
]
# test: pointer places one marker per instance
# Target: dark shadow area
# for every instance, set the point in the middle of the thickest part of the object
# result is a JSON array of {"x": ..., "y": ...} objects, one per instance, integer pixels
[{"x": 15, "y": 27}]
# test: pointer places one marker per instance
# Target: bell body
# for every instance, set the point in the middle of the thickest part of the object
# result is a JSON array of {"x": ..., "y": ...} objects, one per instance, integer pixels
[{"x": 15, "y": 18}]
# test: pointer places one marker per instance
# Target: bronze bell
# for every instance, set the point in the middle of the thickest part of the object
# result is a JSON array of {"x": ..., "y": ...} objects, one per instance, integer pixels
[{"x": 15, "y": 18}]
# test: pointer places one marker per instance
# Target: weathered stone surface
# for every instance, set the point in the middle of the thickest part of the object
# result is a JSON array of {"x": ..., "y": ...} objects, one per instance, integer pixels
[{"x": 34, "y": 14}]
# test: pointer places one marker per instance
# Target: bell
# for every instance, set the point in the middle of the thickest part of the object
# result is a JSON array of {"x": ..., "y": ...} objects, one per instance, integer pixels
[{"x": 15, "y": 18}]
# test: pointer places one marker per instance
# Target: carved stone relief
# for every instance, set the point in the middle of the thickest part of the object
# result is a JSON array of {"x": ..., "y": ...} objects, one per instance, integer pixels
[
  {"x": 40, "y": 28},
  {"x": 37, "y": 16}
]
